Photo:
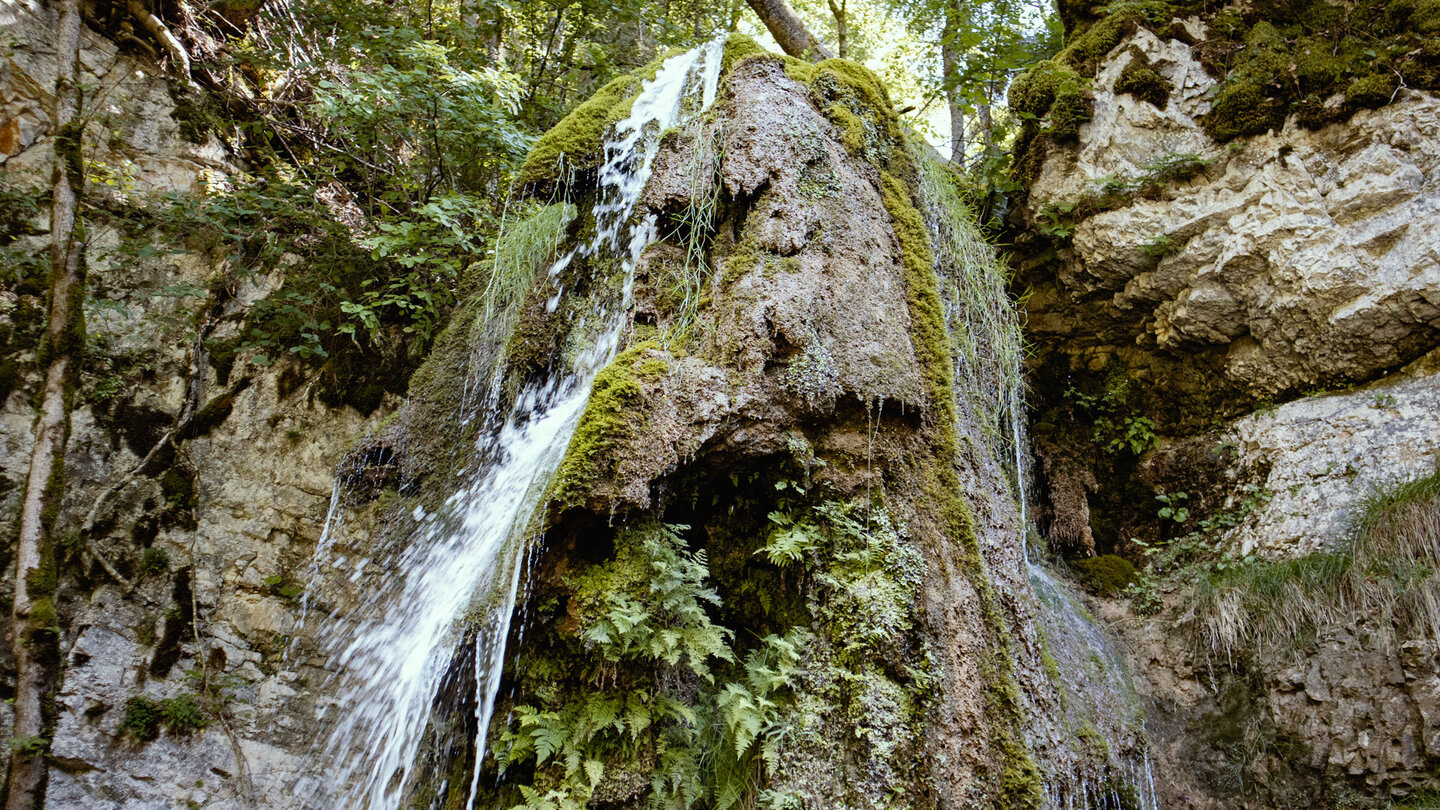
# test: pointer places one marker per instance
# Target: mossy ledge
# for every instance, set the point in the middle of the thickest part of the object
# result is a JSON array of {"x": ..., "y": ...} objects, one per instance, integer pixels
[
  {"x": 572, "y": 148},
  {"x": 1019, "y": 780},
  {"x": 1271, "y": 61},
  {"x": 617, "y": 407}
]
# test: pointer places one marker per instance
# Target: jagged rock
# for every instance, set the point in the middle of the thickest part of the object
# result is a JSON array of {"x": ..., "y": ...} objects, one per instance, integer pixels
[
  {"x": 261, "y": 480},
  {"x": 1293, "y": 259}
]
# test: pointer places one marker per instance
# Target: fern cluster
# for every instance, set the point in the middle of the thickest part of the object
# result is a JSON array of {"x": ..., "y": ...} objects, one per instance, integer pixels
[{"x": 656, "y": 692}]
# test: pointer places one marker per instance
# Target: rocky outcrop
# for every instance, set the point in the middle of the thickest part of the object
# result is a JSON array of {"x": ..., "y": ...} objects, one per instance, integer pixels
[
  {"x": 787, "y": 433},
  {"x": 1272, "y": 265},
  {"x": 180, "y": 575},
  {"x": 1235, "y": 364}
]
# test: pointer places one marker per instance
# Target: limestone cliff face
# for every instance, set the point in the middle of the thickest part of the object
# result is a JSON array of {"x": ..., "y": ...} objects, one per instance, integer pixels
[
  {"x": 1253, "y": 325},
  {"x": 1284, "y": 262},
  {"x": 181, "y": 574}
]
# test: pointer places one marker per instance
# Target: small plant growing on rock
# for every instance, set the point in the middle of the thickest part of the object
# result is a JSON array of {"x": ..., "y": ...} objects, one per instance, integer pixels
[
  {"x": 1173, "y": 508},
  {"x": 28, "y": 745},
  {"x": 144, "y": 716},
  {"x": 155, "y": 560},
  {"x": 183, "y": 715}
]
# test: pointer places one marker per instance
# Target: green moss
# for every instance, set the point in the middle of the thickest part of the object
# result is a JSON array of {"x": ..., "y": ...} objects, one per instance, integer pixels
[
  {"x": 43, "y": 579},
  {"x": 1371, "y": 91},
  {"x": 42, "y": 616},
  {"x": 213, "y": 414},
  {"x": 54, "y": 496},
  {"x": 1241, "y": 109},
  {"x": 615, "y": 409},
  {"x": 852, "y": 130},
  {"x": 855, "y": 100},
  {"x": 9, "y": 377},
  {"x": 1140, "y": 80},
  {"x": 574, "y": 143},
  {"x": 183, "y": 715},
  {"x": 737, "y": 48},
  {"x": 1020, "y": 785},
  {"x": 1426, "y": 17},
  {"x": 1085, "y": 51},
  {"x": 155, "y": 560},
  {"x": 1052, "y": 95},
  {"x": 142, "y": 718},
  {"x": 1106, "y": 574},
  {"x": 145, "y": 715},
  {"x": 221, "y": 354}
]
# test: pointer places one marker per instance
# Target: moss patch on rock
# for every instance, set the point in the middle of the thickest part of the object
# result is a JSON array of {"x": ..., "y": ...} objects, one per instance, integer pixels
[
  {"x": 617, "y": 407},
  {"x": 1019, "y": 782},
  {"x": 1139, "y": 79},
  {"x": 1106, "y": 574},
  {"x": 574, "y": 143}
]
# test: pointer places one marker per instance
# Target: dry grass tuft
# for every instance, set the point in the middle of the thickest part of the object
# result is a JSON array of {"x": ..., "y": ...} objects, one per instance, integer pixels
[{"x": 1385, "y": 577}]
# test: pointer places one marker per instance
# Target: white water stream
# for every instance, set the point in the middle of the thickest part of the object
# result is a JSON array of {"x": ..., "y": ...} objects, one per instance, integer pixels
[{"x": 393, "y": 651}]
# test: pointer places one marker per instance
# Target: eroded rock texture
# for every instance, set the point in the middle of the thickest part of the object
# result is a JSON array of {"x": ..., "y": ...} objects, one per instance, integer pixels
[
  {"x": 1235, "y": 349},
  {"x": 184, "y": 571},
  {"x": 1290, "y": 261}
]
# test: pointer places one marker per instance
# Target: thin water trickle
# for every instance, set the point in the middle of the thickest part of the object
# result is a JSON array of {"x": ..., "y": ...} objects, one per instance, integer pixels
[{"x": 392, "y": 652}]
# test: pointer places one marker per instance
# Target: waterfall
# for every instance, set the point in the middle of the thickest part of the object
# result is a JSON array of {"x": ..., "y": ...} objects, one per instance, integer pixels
[
  {"x": 1098, "y": 698},
  {"x": 392, "y": 652}
]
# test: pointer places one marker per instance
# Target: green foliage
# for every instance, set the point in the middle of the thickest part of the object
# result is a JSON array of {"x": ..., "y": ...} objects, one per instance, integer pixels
[
  {"x": 525, "y": 247},
  {"x": 155, "y": 560},
  {"x": 1144, "y": 592},
  {"x": 182, "y": 715},
  {"x": 988, "y": 345},
  {"x": 643, "y": 616},
  {"x": 416, "y": 122},
  {"x": 1106, "y": 574},
  {"x": 29, "y": 745},
  {"x": 1173, "y": 508},
  {"x": 144, "y": 716},
  {"x": 649, "y": 603},
  {"x": 791, "y": 539},
  {"x": 1115, "y": 427}
]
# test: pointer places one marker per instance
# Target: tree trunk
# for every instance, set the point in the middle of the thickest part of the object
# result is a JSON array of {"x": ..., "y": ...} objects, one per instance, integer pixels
[
  {"x": 954, "y": 99},
  {"x": 789, "y": 32},
  {"x": 841, "y": 32},
  {"x": 986, "y": 126},
  {"x": 34, "y": 632}
]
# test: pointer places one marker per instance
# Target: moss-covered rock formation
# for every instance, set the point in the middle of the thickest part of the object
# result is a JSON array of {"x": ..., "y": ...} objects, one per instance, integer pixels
[{"x": 762, "y": 578}]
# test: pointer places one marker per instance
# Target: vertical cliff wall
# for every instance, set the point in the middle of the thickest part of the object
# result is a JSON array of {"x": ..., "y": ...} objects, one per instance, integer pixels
[{"x": 1231, "y": 234}]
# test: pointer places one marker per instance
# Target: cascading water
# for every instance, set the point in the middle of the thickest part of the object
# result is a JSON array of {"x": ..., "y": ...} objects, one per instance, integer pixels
[
  {"x": 392, "y": 652},
  {"x": 1098, "y": 697}
]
